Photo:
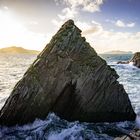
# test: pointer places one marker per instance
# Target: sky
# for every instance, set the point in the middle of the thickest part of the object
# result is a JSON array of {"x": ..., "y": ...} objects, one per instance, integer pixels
[{"x": 107, "y": 24}]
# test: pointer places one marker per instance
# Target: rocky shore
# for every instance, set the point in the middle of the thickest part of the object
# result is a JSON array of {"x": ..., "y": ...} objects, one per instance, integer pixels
[
  {"x": 135, "y": 60},
  {"x": 134, "y": 135}
]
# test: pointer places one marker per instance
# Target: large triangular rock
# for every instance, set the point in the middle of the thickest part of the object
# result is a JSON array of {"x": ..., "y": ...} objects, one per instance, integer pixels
[{"x": 70, "y": 79}]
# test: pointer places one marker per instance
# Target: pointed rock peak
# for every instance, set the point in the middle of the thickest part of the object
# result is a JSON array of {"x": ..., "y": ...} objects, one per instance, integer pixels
[
  {"x": 67, "y": 38},
  {"x": 69, "y": 26},
  {"x": 69, "y": 22}
]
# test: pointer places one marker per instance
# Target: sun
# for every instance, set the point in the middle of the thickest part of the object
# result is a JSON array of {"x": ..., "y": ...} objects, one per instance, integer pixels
[
  {"x": 9, "y": 27},
  {"x": 9, "y": 24},
  {"x": 13, "y": 32}
]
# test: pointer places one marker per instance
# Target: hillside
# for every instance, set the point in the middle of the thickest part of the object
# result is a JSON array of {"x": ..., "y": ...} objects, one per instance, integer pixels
[
  {"x": 18, "y": 50},
  {"x": 118, "y": 52}
]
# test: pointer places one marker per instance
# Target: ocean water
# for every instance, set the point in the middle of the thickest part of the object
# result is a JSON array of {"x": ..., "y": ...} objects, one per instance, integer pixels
[{"x": 12, "y": 68}]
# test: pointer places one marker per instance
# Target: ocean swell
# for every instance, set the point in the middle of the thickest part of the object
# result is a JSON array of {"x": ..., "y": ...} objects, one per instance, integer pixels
[{"x": 54, "y": 128}]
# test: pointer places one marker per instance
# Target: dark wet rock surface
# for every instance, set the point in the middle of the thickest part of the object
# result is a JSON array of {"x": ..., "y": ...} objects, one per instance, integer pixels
[
  {"x": 134, "y": 135},
  {"x": 70, "y": 79},
  {"x": 136, "y": 59}
]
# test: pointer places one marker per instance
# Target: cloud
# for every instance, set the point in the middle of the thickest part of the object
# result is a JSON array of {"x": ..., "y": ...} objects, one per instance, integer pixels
[
  {"x": 6, "y": 8},
  {"x": 33, "y": 22},
  {"x": 93, "y": 28},
  {"x": 57, "y": 23},
  {"x": 72, "y": 11},
  {"x": 108, "y": 40},
  {"x": 120, "y": 23},
  {"x": 86, "y": 5},
  {"x": 93, "y": 6},
  {"x": 110, "y": 21},
  {"x": 74, "y": 7},
  {"x": 17, "y": 34},
  {"x": 131, "y": 25},
  {"x": 67, "y": 13}
]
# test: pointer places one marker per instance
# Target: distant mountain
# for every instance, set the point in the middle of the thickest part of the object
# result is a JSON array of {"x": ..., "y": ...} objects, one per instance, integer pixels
[
  {"x": 118, "y": 52},
  {"x": 18, "y": 50}
]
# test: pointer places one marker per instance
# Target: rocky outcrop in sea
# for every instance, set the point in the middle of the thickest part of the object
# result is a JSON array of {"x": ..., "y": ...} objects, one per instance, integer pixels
[
  {"x": 71, "y": 80},
  {"x": 135, "y": 60}
]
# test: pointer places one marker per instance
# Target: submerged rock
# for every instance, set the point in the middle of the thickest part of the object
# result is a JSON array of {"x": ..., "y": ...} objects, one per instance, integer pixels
[
  {"x": 135, "y": 60},
  {"x": 70, "y": 79}
]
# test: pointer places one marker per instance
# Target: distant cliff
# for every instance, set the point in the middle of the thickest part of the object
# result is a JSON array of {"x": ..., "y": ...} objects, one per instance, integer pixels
[
  {"x": 118, "y": 52},
  {"x": 18, "y": 50}
]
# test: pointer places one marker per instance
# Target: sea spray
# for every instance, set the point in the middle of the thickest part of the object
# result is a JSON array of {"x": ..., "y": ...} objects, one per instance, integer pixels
[
  {"x": 131, "y": 63},
  {"x": 54, "y": 128}
]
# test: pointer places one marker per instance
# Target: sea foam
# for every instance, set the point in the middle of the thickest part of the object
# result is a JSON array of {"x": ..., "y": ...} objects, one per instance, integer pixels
[{"x": 138, "y": 121}]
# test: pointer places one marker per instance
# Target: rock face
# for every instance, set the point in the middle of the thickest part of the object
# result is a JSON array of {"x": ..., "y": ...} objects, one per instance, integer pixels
[
  {"x": 70, "y": 79},
  {"x": 136, "y": 59},
  {"x": 135, "y": 135}
]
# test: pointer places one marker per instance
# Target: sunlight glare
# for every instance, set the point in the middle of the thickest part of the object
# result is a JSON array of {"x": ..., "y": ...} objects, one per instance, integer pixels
[{"x": 12, "y": 32}]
